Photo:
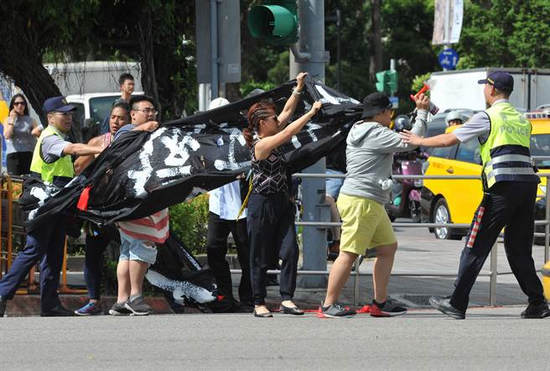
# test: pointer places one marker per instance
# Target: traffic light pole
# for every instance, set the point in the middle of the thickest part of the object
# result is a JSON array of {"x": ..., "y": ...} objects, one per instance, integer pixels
[{"x": 309, "y": 55}]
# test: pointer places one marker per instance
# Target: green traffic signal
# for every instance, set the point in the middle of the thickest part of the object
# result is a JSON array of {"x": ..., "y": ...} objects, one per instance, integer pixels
[
  {"x": 386, "y": 81},
  {"x": 275, "y": 22},
  {"x": 392, "y": 81},
  {"x": 381, "y": 81}
]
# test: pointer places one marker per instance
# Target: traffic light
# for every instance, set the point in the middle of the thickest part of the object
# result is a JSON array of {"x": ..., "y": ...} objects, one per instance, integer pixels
[
  {"x": 386, "y": 81},
  {"x": 381, "y": 81},
  {"x": 275, "y": 22},
  {"x": 392, "y": 81}
]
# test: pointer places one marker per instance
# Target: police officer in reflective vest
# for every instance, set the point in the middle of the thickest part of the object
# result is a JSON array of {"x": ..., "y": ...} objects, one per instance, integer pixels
[
  {"x": 510, "y": 188},
  {"x": 52, "y": 163}
]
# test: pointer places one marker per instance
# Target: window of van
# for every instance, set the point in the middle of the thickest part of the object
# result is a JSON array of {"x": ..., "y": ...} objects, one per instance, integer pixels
[
  {"x": 540, "y": 146},
  {"x": 78, "y": 114},
  {"x": 100, "y": 107},
  {"x": 469, "y": 152}
]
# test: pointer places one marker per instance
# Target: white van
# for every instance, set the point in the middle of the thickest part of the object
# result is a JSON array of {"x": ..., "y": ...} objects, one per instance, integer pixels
[{"x": 91, "y": 110}]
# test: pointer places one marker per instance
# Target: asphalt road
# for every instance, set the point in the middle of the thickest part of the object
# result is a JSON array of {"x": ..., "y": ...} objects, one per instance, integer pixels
[{"x": 489, "y": 339}]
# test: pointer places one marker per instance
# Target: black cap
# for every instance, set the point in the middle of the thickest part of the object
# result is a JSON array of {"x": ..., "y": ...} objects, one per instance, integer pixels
[
  {"x": 500, "y": 80},
  {"x": 57, "y": 104},
  {"x": 375, "y": 103}
]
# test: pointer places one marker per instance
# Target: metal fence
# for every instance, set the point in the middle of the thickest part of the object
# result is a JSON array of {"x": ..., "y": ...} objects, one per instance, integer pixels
[{"x": 493, "y": 271}]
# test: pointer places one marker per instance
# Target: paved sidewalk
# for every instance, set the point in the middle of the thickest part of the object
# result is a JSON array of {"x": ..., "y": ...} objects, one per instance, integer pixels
[{"x": 418, "y": 251}]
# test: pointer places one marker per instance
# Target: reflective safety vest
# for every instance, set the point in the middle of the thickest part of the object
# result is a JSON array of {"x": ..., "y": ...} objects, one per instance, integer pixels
[
  {"x": 505, "y": 154},
  {"x": 59, "y": 172}
]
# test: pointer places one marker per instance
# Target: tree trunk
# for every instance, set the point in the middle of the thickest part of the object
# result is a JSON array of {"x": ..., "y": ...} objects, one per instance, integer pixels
[
  {"x": 29, "y": 74},
  {"x": 375, "y": 41},
  {"x": 148, "y": 75}
]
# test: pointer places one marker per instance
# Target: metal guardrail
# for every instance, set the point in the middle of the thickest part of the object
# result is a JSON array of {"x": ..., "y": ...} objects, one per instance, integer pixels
[{"x": 493, "y": 270}]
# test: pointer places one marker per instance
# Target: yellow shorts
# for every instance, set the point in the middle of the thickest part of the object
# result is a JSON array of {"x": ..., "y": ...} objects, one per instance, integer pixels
[{"x": 365, "y": 224}]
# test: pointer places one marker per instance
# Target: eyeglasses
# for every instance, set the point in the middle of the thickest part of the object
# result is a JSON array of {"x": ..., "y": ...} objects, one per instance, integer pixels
[
  {"x": 21, "y": 103},
  {"x": 148, "y": 110}
]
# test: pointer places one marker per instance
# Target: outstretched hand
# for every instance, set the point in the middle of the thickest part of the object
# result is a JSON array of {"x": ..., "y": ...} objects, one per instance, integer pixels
[
  {"x": 411, "y": 138},
  {"x": 422, "y": 102},
  {"x": 300, "y": 80},
  {"x": 316, "y": 107}
]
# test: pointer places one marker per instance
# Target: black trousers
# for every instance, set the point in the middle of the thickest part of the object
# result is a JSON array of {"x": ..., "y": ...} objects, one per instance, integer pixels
[
  {"x": 216, "y": 249},
  {"x": 271, "y": 232},
  {"x": 97, "y": 241},
  {"x": 510, "y": 205},
  {"x": 19, "y": 163}
]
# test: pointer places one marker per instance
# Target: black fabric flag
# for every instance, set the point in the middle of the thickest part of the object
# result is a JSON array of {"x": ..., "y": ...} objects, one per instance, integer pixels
[{"x": 141, "y": 173}]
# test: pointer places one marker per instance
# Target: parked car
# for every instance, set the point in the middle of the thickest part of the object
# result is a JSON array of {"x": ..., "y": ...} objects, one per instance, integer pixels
[{"x": 455, "y": 201}]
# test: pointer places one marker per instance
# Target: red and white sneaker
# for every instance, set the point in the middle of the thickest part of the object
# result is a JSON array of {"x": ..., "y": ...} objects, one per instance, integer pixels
[{"x": 390, "y": 308}]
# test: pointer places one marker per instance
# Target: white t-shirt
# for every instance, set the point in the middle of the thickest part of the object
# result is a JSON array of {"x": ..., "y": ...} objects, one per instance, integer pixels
[{"x": 226, "y": 201}]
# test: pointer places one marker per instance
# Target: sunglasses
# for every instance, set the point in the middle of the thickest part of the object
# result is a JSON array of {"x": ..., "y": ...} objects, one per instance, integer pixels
[{"x": 21, "y": 103}]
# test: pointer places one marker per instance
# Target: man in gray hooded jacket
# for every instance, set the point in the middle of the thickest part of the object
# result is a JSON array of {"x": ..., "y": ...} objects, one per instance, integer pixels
[{"x": 365, "y": 224}]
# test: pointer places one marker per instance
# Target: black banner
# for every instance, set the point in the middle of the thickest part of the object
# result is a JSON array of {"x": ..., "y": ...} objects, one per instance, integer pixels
[{"x": 142, "y": 173}]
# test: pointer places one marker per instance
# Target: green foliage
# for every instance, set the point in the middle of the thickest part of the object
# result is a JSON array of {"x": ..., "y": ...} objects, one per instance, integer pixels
[
  {"x": 189, "y": 221},
  {"x": 278, "y": 74},
  {"x": 505, "y": 33},
  {"x": 418, "y": 82},
  {"x": 248, "y": 86}
]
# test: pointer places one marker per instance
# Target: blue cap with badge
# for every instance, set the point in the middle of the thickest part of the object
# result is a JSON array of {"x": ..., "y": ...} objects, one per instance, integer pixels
[
  {"x": 57, "y": 104},
  {"x": 500, "y": 80}
]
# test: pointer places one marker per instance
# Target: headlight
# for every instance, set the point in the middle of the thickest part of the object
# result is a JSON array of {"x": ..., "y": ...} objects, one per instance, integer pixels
[{"x": 542, "y": 189}]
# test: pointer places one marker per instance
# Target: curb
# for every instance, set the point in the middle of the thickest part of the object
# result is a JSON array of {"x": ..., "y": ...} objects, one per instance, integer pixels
[{"x": 29, "y": 305}]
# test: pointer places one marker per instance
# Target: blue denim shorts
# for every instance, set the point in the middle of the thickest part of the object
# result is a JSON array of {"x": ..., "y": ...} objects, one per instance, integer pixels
[
  {"x": 134, "y": 249},
  {"x": 333, "y": 185}
]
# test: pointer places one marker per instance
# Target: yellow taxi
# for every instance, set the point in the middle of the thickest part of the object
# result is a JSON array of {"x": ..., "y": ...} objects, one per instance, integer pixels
[{"x": 455, "y": 201}]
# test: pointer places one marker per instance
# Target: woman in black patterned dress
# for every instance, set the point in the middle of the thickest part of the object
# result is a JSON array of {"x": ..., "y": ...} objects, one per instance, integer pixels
[{"x": 270, "y": 213}]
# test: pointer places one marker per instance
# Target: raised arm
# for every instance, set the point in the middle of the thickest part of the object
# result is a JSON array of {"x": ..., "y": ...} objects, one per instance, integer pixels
[
  {"x": 292, "y": 101},
  {"x": 10, "y": 121},
  {"x": 83, "y": 161},
  {"x": 36, "y": 128},
  {"x": 81, "y": 149},
  {"x": 266, "y": 145}
]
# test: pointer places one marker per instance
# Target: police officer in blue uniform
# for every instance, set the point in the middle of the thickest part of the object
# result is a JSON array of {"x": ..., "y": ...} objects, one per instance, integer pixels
[
  {"x": 510, "y": 189},
  {"x": 51, "y": 163}
]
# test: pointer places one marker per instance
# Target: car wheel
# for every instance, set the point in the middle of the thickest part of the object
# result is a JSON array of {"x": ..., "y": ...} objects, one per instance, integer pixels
[{"x": 442, "y": 215}]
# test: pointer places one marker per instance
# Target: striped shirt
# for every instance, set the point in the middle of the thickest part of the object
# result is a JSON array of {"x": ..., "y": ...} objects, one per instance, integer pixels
[{"x": 154, "y": 228}]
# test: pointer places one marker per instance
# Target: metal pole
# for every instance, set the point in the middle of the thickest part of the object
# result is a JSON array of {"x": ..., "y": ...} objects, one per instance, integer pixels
[
  {"x": 311, "y": 42},
  {"x": 338, "y": 49},
  {"x": 447, "y": 25},
  {"x": 214, "y": 46},
  {"x": 494, "y": 276},
  {"x": 311, "y": 57},
  {"x": 547, "y": 225}
]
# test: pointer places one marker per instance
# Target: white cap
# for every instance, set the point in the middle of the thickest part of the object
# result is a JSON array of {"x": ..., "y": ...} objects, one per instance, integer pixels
[
  {"x": 218, "y": 102},
  {"x": 454, "y": 115}
]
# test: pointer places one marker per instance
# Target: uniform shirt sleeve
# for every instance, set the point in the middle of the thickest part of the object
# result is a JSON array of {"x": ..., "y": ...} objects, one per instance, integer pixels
[
  {"x": 52, "y": 148},
  {"x": 478, "y": 126}
]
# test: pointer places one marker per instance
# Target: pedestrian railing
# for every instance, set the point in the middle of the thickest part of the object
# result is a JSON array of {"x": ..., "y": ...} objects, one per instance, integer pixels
[
  {"x": 493, "y": 270},
  {"x": 6, "y": 257}
]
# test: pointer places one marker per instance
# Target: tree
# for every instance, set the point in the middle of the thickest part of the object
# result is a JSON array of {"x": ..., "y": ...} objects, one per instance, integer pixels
[
  {"x": 505, "y": 33},
  {"x": 29, "y": 29}
]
